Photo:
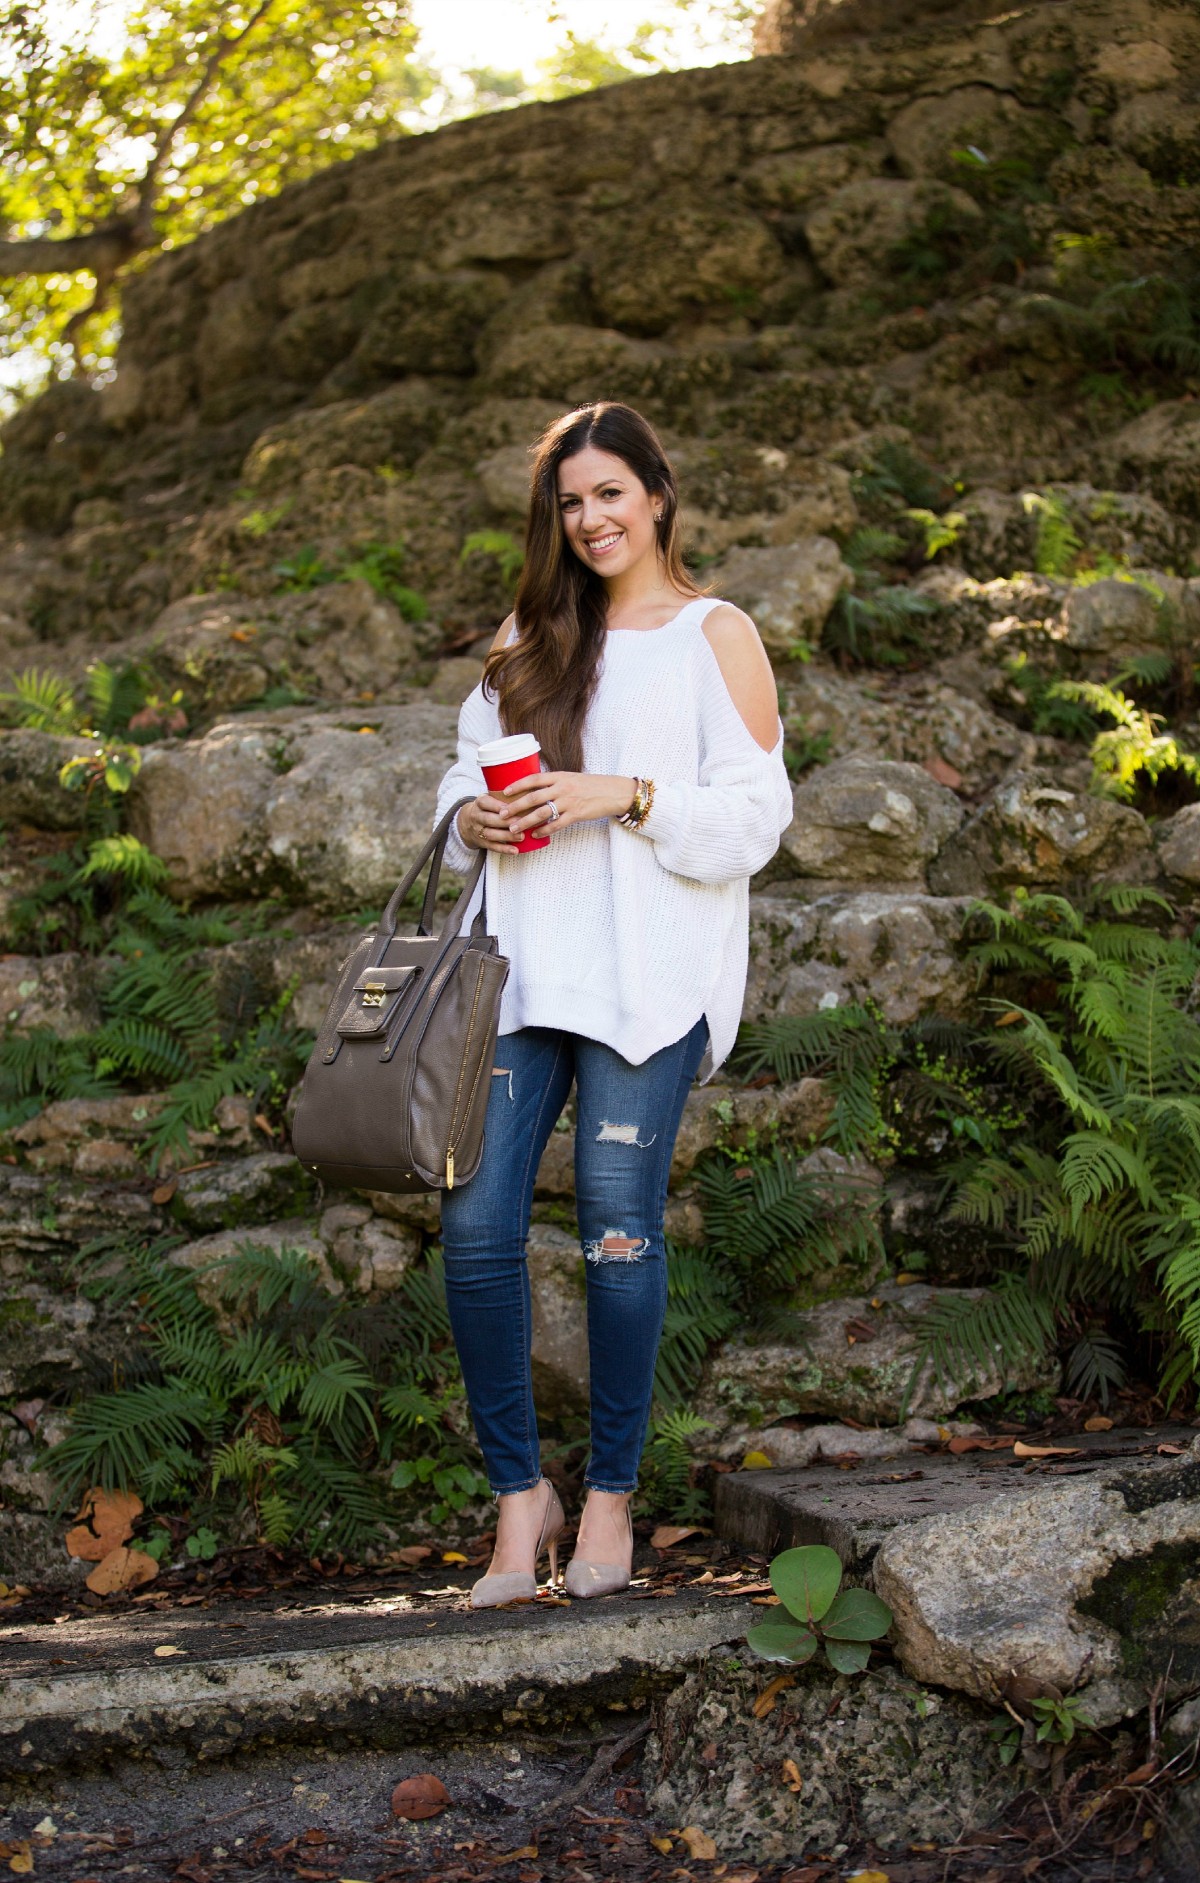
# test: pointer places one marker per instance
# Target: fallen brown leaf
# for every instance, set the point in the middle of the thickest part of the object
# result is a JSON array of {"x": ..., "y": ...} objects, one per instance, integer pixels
[
  {"x": 412, "y": 1554},
  {"x": 662, "y": 1845},
  {"x": 1170, "y": 1451},
  {"x": 766, "y": 1700},
  {"x": 700, "y": 1844},
  {"x": 164, "y": 1191},
  {"x": 960, "y": 1445},
  {"x": 20, "y": 1857},
  {"x": 942, "y": 772},
  {"x": 1022, "y": 1450},
  {"x": 668, "y": 1535},
  {"x": 860, "y": 1329},
  {"x": 513, "y": 1856},
  {"x": 421, "y": 1797},
  {"x": 1097, "y": 1423},
  {"x": 105, "y": 1518},
  {"x": 27, "y": 1410},
  {"x": 122, "y": 1568},
  {"x": 791, "y": 1775}
]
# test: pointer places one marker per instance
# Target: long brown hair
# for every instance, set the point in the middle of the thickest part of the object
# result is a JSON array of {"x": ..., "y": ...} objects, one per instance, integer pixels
[{"x": 545, "y": 681}]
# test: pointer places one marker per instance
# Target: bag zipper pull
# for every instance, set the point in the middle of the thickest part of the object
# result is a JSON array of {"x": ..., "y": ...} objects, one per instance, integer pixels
[{"x": 450, "y": 1168}]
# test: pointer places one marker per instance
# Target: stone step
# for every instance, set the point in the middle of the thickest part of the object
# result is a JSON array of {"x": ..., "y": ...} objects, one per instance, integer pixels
[
  {"x": 381, "y": 1673},
  {"x": 852, "y": 1511}
]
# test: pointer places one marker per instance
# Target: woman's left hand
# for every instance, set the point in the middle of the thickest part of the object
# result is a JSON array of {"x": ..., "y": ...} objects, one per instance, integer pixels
[{"x": 577, "y": 796}]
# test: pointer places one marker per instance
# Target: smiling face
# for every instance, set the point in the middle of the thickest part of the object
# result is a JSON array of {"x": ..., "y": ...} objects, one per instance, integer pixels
[{"x": 608, "y": 515}]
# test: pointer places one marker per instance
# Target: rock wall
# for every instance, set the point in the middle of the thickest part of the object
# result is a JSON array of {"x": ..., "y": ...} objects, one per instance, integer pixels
[{"x": 363, "y": 361}]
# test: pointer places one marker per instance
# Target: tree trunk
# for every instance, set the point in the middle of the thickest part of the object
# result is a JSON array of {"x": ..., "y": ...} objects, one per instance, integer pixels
[{"x": 102, "y": 250}]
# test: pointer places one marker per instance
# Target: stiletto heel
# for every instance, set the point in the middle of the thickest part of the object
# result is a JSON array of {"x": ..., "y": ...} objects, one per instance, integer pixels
[
  {"x": 517, "y": 1585},
  {"x": 586, "y": 1579}
]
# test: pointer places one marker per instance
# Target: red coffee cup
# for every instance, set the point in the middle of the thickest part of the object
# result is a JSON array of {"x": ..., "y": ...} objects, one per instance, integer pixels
[{"x": 502, "y": 760}]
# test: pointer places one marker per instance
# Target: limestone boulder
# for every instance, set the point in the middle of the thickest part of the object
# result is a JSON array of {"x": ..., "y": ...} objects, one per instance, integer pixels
[
  {"x": 392, "y": 428},
  {"x": 926, "y": 132},
  {"x": 881, "y": 1760},
  {"x": 205, "y": 1256},
  {"x": 865, "y": 820},
  {"x": 372, "y": 1254},
  {"x": 504, "y": 475},
  {"x": 41, "y": 1341},
  {"x": 792, "y": 179},
  {"x": 324, "y": 807},
  {"x": 1032, "y": 830},
  {"x": 921, "y": 720},
  {"x": 860, "y": 1359},
  {"x": 241, "y": 1191},
  {"x": 902, "y": 951},
  {"x": 1158, "y": 451},
  {"x": 557, "y": 1286},
  {"x": 30, "y": 793},
  {"x": 788, "y": 590},
  {"x": 719, "y": 252},
  {"x": 45, "y": 1217},
  {"x": 1113, "y": 618},
  {"x": 852, "y": 231},
  {"x": 1089, "y": 1584},
  {"x": 58, "y": 992},
  {"x": 1158, "y": 129},
  {"x": 1178, "y": 842}
]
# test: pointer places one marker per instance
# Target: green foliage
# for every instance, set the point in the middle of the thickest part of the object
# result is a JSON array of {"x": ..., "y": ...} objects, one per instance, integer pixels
[
  {"x": 1057, "y": 545},
  {"x": 878, "y": 623},
  {"x": 667, "y": 1465},
  {"x": 193, "y": 115},
  {"x": 774, "y": 1224},
  {"x": 380, "y": 564},
  {"x": 1132, "y": 752},
  {"x": 1045, "y": 706},
  {"x": 807, "y": 1581},
  {"x": 40, "y": 700},
  {"x": 162, "y": 1023},
  {"x": 940, "y": 532},
  {"x": 250, "y": 1391},
  {"x": 1099, "y": 1201},
  {"x": 959, "y": 1336},
  {"x": 1108, "y": 312},
  {"x": 505, "y": 549}
]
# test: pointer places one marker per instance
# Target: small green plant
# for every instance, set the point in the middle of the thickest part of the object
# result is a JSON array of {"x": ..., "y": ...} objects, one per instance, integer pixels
[
  {"x": 1059, "y": 1718},
  {"x": 1133, "y": 751},
  {"x": 42, "y": 701},
  {"x": 505, "y": 550},
  {"x": 1046, "y": 708},
  {"x": 877, "y": 622},
  {"x": 260, "y": 522},
  {"x": 940, "y": 532},
  {"x": 807, "y": 1582},
  {"x": 456, "y": 1485},
  {"x": 1057, "y": 544},
  {"x": 203, "y": 1544},
  {"x": 382, "y": 566},
  {"x": 304, "y": 571}
]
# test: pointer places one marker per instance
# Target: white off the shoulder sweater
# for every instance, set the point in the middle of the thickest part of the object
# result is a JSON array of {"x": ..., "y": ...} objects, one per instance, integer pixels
[{"x": 630, "y": 936}]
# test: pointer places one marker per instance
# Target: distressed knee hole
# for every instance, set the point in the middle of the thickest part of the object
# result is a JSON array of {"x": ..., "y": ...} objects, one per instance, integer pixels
[
  {"x": 503, "y": 1072},
  {"x": 621, "y": 1134},
  {"x": 614, "y": 1247}
]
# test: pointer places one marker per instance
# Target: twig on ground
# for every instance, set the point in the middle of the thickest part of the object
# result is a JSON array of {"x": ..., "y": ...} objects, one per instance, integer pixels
[{"x": 600, "y": 1767}]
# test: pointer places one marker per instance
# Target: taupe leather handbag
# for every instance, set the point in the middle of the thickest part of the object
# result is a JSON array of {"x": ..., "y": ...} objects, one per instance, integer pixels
[{"x": 396, "y": 1088}]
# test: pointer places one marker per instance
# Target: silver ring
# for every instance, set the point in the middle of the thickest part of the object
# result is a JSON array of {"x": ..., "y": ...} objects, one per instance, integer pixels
[{"x": 554, "y": 812}]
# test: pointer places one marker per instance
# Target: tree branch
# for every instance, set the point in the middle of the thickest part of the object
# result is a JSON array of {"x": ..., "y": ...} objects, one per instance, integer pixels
[
  {"x": 103, "y": 250},
  {"x": 216, "y": 59}
]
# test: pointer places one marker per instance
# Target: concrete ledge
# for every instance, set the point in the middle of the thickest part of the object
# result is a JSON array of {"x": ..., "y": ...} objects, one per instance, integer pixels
[{"x": 380, "y": 1674}]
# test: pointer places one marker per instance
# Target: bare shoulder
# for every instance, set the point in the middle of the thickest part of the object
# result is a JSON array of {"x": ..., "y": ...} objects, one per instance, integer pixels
[
  {"x": 502, "y": 634},
  {"x": 746, "y": 670}
]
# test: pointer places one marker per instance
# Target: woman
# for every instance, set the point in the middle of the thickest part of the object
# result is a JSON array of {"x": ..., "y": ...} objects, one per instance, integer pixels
[{"x": 657, "y": 716}]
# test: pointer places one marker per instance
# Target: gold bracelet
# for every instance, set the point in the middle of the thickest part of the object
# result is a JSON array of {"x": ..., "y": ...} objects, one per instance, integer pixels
[{"x": 639, "y": 810}]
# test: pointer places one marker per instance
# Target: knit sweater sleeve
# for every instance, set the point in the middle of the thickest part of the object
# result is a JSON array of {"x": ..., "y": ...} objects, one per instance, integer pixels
[
  {"x": 729, "y": 823},
  {"x": 477, "y": 722}
]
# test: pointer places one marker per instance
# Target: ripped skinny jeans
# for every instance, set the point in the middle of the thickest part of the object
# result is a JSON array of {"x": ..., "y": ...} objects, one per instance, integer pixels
[{"x": 627, "y": 1121}]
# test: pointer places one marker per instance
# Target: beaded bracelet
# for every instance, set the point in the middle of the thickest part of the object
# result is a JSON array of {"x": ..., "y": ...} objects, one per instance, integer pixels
[{"x": 639, "y": 810}]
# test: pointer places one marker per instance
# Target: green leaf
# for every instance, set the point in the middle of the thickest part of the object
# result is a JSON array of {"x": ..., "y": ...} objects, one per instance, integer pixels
[
  {"x": 806, "y": 1579},
  {"x": 781, "y": 1640},
  {"x": 848, "y": 1657},
  {"x": 857, "y": 1615}
]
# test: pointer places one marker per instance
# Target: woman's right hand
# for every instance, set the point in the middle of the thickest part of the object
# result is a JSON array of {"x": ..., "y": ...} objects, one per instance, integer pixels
[{"x": 483, "y": 824}]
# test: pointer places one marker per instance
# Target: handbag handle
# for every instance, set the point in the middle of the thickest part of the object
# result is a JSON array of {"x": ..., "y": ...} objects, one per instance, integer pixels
[{"x": 435, "y": 845}]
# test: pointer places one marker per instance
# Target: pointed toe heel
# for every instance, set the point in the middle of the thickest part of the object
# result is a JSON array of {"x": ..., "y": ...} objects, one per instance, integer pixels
[
  {"x": 584, "y": 1579},
  {"x": 518, "y": 1585}
]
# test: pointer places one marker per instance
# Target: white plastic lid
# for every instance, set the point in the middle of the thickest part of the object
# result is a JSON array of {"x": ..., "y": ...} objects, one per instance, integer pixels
[{"x": 502, "y": 751}]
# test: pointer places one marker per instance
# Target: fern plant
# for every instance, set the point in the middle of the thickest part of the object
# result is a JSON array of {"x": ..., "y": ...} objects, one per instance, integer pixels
[
  {"x": 1132, "y": 751},
  {"x": 878, "y": 623},
  {"x": 250, "y": 1393}
]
